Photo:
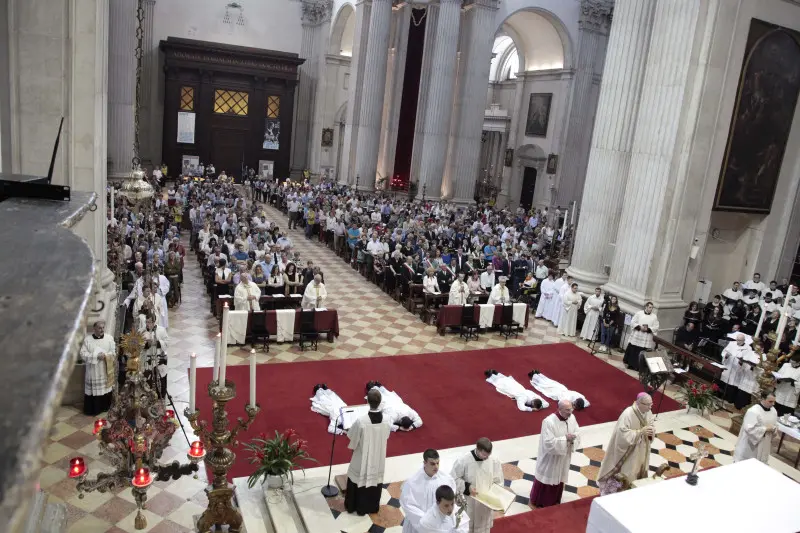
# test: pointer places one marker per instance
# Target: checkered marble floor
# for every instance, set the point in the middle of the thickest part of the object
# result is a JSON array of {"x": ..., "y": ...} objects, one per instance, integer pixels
[
  {"x": 371, "y": 323},
  {"x": 673, "y": 447}
]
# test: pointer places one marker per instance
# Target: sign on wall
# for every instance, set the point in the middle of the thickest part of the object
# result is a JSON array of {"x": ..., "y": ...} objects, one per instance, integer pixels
[
  {"x": 186, "y": 127},
  {"x": 272, "y": 133}
]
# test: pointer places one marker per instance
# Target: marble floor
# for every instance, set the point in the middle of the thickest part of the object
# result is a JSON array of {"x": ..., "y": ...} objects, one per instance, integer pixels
[{"x": 371, "y": 323}]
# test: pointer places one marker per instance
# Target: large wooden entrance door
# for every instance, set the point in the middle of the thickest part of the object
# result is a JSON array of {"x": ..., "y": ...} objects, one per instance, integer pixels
[
  {"x": 227, "y": 150},
  {"x": 528, "y": 187}
]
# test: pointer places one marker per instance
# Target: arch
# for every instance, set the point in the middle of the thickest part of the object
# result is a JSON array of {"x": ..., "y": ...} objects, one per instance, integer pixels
[
  {"x": 506, "y": 61},
  {"x": 531, "y": 152},
  {"x": 342, "y": 31},
  {"x": 341, "y": 114},
  {"x": 542, "y": 40}
]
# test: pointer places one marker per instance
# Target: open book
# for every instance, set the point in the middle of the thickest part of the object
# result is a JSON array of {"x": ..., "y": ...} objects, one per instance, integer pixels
[{"x": 496, "y": 499}]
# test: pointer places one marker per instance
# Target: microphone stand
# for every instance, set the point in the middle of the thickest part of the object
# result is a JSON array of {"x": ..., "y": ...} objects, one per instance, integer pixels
[{"x": 329, "y": 491}]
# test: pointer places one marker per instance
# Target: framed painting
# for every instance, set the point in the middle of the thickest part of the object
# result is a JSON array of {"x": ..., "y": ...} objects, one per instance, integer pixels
[{"x": 538, "y": 114}]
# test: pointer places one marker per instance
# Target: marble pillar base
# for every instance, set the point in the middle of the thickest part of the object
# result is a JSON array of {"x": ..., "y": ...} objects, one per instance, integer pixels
[{"x": 587, "y": 281}]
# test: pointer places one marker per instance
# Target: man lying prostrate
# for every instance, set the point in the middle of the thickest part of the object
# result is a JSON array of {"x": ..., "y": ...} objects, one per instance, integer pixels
[
  {"x": 398, "y": 414},
  {"x": 556, "y": 391},
  {"x": 527, "y": 400},
  {"x": 327, "y": 403}
]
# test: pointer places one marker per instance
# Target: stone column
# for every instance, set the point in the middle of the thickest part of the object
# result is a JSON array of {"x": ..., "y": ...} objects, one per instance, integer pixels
[
  {"x": 649, "y": 225},
  {"x": 317, "y": 14},
  {"x": 470, "y": 106},
  {"x": 357, "y": 63},
  {"x": 432, "y": 15},
  {"x": 609, "y": 159},
  {"x": 504, "y": 198},
  {"x": 394, "y": 91},
  {"x": 594, "y": 24},
  {"x": 439, "y": 105},
  {"x": 150, "y": 117},
  {"x": 121, "y": 85},
  {"x": 371, "y": 112}
]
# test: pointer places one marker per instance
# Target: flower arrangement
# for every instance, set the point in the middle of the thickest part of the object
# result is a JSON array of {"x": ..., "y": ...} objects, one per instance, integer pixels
[
  {"x": 276, "y": 456},
  {"x": 699, "y": 395}
]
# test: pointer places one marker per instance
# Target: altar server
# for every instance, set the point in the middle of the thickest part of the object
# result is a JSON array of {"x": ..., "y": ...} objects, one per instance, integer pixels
[
  {"x": 788, "y": 388},
  {"x": 628, "y": 451},
  {"x": 546, "y": 296},
  {"x": 748, "y": 374},
  {"x": 441, "y": 518},
  {"x": 396, "y": 412},
  {"x": 644, "y": 326},
  {"x": 755, "y": 284},
  {"x": 459, "y": 291},
  {"x": 247, "y": 294},
  {"x": 570, "y": 302},
  {"x": 557, "y": 391},
  {"x": 732, "y": 376},
  {"x": 368, "y": 438},
  {"x": 592, "y": 309},
  {"x": 526, "y": 399},
  {"x": 500, "y": 294},
  {"x": 475, "y": 472},
  {"x": 315, "y": 294},
  {"x": 559, "y": 438},
  {"x": 328, "y": 403},
  {"x": 758, "y": 428},
  {"x": 563, "y": 285},
  {"x": 419, "y": 491},
  {"x": 99, "y": 354}
]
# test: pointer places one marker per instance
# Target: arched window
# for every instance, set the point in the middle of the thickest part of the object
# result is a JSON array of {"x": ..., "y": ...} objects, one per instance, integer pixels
[{"x": 505, "y": 59}]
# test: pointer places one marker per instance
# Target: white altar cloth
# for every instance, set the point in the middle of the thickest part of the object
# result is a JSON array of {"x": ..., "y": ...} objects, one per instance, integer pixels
[{"x": 674, "y": 505}]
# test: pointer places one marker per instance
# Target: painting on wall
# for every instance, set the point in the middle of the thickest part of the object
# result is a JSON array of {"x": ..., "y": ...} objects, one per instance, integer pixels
[
  {"x": 272, "y": 134},
  {"x": 327, "y": 137},
  {"x": 538, "y": 114},
  {"x": 769, "y": 86}
]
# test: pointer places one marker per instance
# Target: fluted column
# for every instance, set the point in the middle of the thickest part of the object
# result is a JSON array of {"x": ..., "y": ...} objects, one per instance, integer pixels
[
  {"x": 357, "y": 63},
  {"x": 150, "y": 118},
  {"x": 662, "y": 141},
  {"x": 609, "y": 159},
  {"x": 594, "y": 24},
  {"x": 320, "y": 68},
  {"x": 371, "y": 112},
  {"x": 509, "y": 173},
  {"x": 121, "y": 85},
  {"x": 462, "y": 166},
  {"x": 432, "y": 14},
  {"x": 439, "y": 105},
  {"x": 316, "y": 16}
]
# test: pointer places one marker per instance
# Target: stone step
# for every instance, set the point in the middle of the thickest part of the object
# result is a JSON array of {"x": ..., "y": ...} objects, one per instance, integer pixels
[{"x": 46, "y": 517}]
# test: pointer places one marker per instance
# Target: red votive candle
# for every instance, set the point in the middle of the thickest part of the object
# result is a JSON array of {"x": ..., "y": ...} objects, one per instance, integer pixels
[
  {"x": 99, "y": 424},
  {"x": 197, "y": 449},
  {"x": 77, "y": 467},
  {"x": 142, "y": 478}
]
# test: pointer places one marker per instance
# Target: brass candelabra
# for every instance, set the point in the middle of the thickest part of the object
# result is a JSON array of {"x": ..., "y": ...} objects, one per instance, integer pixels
[{"x": 219, "y": 457}]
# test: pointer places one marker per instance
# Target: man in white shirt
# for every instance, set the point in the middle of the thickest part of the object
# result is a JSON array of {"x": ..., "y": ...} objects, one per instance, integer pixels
[
  {"x": 488, "y": 279},
  {"x": 419, "y": 491},
  {"x": 541, "y": 271}
]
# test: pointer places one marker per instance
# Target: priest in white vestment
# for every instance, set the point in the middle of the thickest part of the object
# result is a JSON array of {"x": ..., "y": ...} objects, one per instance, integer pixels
[
  {"x": 442, "y": 517},
  {"x": 571, "y": 301},
  {"x": 788, "y": 386},
  {"x": 558, "y": 439},
  {"x": 475, "y": 472},
  {"x": 758, "y": 429},
  {"x": 734, "y": 352},
  {"x": 148, "y": 304},
  {"x": 562, "y": 285},
  {"x": 644, "y": 326},
  {"x": 628, "y": 451},
  {"x": 546, "y": 290},
  {"x": 315, "y": 294},
  {"x": 419, "y": 491},
  {"x": 327, "y": 403},
  {"x": 156, "y": 342},
  {"x": 748, "y": 374},
  {"x": 459, "y": 291},
  {"x": 500, "y": 294},
  {"x": 557, "y": 391},
  {"x": 368, "y": 438},
  {"x": 246, "y": 295},
  {"x": 592, "y": 307},
  {"x": 99, "y": 354},
  {"x": 526, "y": 399}
]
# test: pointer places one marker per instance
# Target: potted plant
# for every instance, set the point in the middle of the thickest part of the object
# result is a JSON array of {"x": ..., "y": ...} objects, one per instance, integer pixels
[
  {"x": 276, "y": 457},
  {"x": 699, "y": 396}
]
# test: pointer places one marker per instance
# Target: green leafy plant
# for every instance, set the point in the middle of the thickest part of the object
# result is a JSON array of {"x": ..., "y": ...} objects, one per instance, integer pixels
[
  {"x": 699, "y": 396},
  {"x": 277, "y": 456}
]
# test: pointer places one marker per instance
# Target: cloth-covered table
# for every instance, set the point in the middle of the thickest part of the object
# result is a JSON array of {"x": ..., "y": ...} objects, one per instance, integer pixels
[
  {"x": 792, "y": 432},
  {"x": 748, "y": 496},
  {"x": 450, "y": 315},
  {"x": 326, "y": 322}
]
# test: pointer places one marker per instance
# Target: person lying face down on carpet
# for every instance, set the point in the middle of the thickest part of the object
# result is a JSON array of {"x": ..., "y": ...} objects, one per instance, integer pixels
[
  {"x": 527, "y": 400},
  {"x": 327, "y": 403},
  {"x": 398, "y": 414},
  {"x": 556, "y": 391}
]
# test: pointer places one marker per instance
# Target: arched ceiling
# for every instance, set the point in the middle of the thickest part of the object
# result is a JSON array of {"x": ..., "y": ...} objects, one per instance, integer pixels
[{"x": 537, "y": 40}]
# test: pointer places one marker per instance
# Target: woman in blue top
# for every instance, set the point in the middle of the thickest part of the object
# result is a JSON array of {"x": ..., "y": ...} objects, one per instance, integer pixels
[{"x": 489, "y": 251}]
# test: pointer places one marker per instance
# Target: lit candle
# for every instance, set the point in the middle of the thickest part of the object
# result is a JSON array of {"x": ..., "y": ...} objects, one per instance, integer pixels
[
  {"x": 142, "y": 478},
  {"x": 217, "y": 356},
  {"x": 197, "y": 449},
  {"x": 77, "y": 467},
  {"x": 564, "y": 226},
  {"x": 224, "y": 346},
  {"x": 99, "y": 424},
  {"x": 192, "y": 382},
  {"x": 252, "y": 377}
]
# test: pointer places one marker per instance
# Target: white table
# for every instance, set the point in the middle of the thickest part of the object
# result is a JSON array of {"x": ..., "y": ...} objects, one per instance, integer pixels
[
  {"x": 716, "y": 503},
  {"x": 792, "y": 432}
]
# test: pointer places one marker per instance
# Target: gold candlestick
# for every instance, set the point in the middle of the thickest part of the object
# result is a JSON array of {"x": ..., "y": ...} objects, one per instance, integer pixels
[{"x": 220, "y": 458}]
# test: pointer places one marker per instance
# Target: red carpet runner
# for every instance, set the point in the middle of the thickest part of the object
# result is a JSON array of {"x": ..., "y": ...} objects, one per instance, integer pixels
[
  {"x": 569, "y": 517},
  {"x": 448, "y": 391}
]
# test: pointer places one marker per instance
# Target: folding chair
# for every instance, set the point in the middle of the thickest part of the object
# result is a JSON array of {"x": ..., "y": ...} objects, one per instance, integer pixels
[
  {"x": 308, "y": 329},
  {"x": 469, "y": 326},
  {"x": 508, "y": 326}
]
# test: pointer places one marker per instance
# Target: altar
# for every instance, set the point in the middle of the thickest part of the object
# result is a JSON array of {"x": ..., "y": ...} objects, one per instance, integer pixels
[{"x": 714, "y": 504}]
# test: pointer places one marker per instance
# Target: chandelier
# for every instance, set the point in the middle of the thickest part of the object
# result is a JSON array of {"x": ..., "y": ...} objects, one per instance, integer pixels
[
  {"x": 236, "y": 6},
  {"x": 134, "y": 436}
]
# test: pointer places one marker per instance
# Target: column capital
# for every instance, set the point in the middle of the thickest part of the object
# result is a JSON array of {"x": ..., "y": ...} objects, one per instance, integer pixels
[
  {"x": 487, "y": 4},
  {"x": 149, "y": 2},
  {"x": 596, "y": 15},
  {"x": 316, "y": 12}
]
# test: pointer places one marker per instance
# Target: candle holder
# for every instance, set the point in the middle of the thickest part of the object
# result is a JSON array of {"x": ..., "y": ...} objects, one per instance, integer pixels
[{"x": 216, "y": 446}]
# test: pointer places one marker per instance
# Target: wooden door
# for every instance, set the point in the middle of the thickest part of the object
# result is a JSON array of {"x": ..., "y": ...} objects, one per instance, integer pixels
[
  {"x": 528, "y": 187},
  {"x": 227, "y": 151}
]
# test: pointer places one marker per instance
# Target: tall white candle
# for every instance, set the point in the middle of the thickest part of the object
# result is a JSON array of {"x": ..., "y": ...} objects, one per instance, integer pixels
[
  {"x": 760, "y": 322},
  {"x": 224, "y": 347},
  {"x": 784, "y": 319},
  {"x": 252, "y": 377},
  {"x": 564, "y": 225},
  {"x": 217, "y": 356},
  {"x": 192, "y": 382}
]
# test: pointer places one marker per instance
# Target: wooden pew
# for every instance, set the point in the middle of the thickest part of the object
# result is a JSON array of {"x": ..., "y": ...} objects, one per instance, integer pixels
[{"x": 700, "y": 367}]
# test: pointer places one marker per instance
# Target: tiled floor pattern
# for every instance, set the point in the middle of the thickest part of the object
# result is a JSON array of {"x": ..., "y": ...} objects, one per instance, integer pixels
[
  {"x": 672, "y": 447},
  {"x": 372, "y": 324}
]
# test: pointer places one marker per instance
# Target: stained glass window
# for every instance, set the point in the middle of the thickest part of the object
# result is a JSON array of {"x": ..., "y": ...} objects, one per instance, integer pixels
[
  {"x": 230, "y": 102},
  {"x": 273, "y": 106},
  {"x": 187, "y": 98}
]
